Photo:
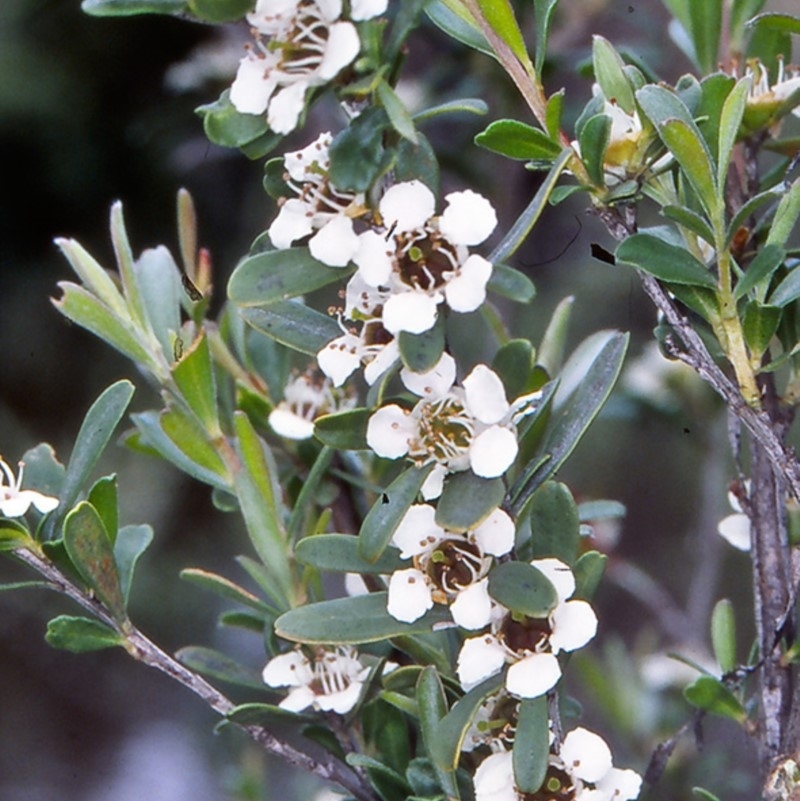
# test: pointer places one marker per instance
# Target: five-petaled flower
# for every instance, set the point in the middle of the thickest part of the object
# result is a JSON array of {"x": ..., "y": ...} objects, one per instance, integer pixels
[
  {"x": 330, "y": 681},
  {"x": 529, "y": 644},
  {"x": 581, "y": 769},
  {"x": 448, "y": 568},
  {"x": 15, "y": 501},
  {"x": 471, "y": 426},
  {"x": 299, "y": 44}
]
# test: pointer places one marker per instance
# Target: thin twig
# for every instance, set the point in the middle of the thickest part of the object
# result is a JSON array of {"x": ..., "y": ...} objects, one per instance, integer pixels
[{"x": 145, "y": 651}]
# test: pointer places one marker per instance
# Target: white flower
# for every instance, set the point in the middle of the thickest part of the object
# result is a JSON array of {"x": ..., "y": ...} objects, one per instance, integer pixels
[
  {"x": 306, "y": 398},
  {"x": 494, "y": 778},
  {"x": 448, "y": 567},
  {"x": 15, "y": 501},
  {"x": 299, "y": 44},
  {"x": 736, "y": 528},
  {"x": 768, "y": 97},
  {"x": 423, "y": 260},
  {"x": 585, "y": 755},
  {"x": 332, "y": 681},
  {"x": 473, "y": 426},
  {"x": 319, "y": 208},
  {"x": 530, "y": 645}
]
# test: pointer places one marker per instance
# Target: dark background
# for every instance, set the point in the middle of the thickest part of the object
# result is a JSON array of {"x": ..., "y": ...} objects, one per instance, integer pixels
[{"x": 86, "y": 117}]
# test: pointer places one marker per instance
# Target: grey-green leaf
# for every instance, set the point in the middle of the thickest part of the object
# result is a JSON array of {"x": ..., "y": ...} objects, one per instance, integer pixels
[
  {"x": 531, "y": 744},
  {"x": 522, "y": 588},
  {"x": 665, "y": 261},
  {"x": 81, "y": 634},
  {"x": 467, "y": 500},
  {"x": 340, "y": 553}
]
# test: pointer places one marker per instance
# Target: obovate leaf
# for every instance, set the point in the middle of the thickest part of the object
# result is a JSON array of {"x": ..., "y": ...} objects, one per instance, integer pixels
[
  {"x": 511, "y": 283},
  {"x": 713, "y": 696},
  {"x": 467, "y": 500},
  {"x": 293, "y": 324},
  {"x": 609, "y": 72},
  {"x": 456, "y": 22},
  {"x": 131, "y": 543},
  {"x": 522, "y": 588},
  {"x": 340, "y": 553},
  {"x": 432, "y": 707},
  {"x": 220, "y": 10},
  {"x": 544, "y": 12},
  {"x": 128, "y": 8},
  {"x": 421, "y": 352},
  {"x": 554, "y": 523},
  {"x": 531, "y": 744},
  {"x": 344, "y": 431},
  {"x": 518, "y": 140},
  {"x": 81, "y": 634},
  {"x": 333, "y": 622},
  {"x": 279, "y": 275},
  {"x": 215, "y": 665},
  {"x": 766, "y": 262},
  {"x": 665, "y": 261},
  {"x": 723, "y": 634},
  {"x": 194, "y": 376}
]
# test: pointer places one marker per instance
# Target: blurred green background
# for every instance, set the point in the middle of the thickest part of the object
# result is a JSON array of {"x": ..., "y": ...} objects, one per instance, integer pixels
[{"x": 95, "y": 110}]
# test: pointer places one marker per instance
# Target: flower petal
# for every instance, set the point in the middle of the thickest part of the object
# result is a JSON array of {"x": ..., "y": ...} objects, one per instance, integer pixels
[
  {"x": 374, "y": 259},
  {"x": 736, "y": 530},
  {"x": 342, "y": 47},
  {"x": 559, "y": 574},
  {"x": 466, "y": 291},
  {"x": 486, "y": 395},
  {"x": 406, "y": 206},
  {"x": 494, "y": 778},
  {"x": 291, "y": 669},
  {"x": 434, "y": 483},
  {"x": 573, "y": 624},
  {"x": 417, "y": 532},
  {"x": 285, "y": 107},
  {"x": 435, "y": 382},
  {"x": 340, "y": 357},
  {"x": 495, "y": 535},
  {"x": 468, "y": 218},
  {"x": 533, "y": 676},
  {"x": 292, "y": 223},
  {"x": 253, "y": 86},
  {"x": 287, "y": 424},
  {"x": 413, "y": 311},
  {"x": 621, "y": 785},
  {"x": 585, "y": 755},
  {"x": 479, "y": 658},
  {"x": 472, "y": 609},
  {"x": 409, "y": 595},
  {"x": 335, "y": 243},
  {"x": 390, "y": 431},
  {"x": 492, "y": 452},
  {"x": 340, "y": 702}
]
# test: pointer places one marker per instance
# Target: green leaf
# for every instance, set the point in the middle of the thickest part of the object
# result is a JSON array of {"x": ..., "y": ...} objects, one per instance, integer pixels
[
  {"x": 788, "y": 290},
  {"x": 357, "y": 154},
  {"x": 543, "y": 10},
  {"x": 706, "y": 27},
  {"x": 698, "y": 299},
  {"x": 170, "y": 435},
  {"x": 665, "y": 261},
  {"x": 531, "y": 744},
  {"x": 131, "y": 543},
  {"x": 500, "y": 16},
  {"x": 43, "y": 472},
  {"x": 779, "y": 22},
  {"x": 467, "y": 105},
  {"x": 103, "y": 497},
  {"x": 554, "y": 523},
  {"x": 13, "y": 536},
  {"x": 723, "y": 635},
  {"x": 609, "y": 72},
  {"x": 220, "y": 10},
  {"x": 729, "y": 123},
  {"x": 750, "y": 208},
  {"x": 280, "y": 275},
  {"x": 340, "y": 553},
  {"x": 517, "y": 140},
  {"x": 467, "y": 500},
  {"x": 680, "y": 134},
  {"x": 386, "y": 513},
  {"x": 588, "y": 572},
  {"x": 225, "y": 126},
  {"x": 691, "y": 220},
  {"x": 574, "y": 414},
  {"x": 760, "y": 270},
  {"x": 90, "y": 550},
  {"x": 405, "y": 19},
  {"x": 421, "y": 352},
  {"x": 432, "y": 707},
  {"x": 522, "y": 588},
  {"x": 785, "y": 216},
  {"x": 704, "y": 794},
  {"x": 96, "y": 429},
  {"x": 417, "y": 162},
  {"x": 759, "y": 324},
  {"x": 741, "y": 12},
  {"x": 713, "y": 696},
  {"x": 293, "y": 324},
  {"x": 81, "y": 634},
  {"x": 519, "y": 231},
  {"x": 600, "y": 510},
  {"x": 510, "y": 283},
  {"x": 452, "y": 728},
  {"x": 398, "y": 114},
  {"x": 593, "y": 140},
  {"x": 344, "y": 431},
  {"x": 513, "y": 363},
  {"x": 194, "y": 377},
  {"x": 258, "y": 491},
  {"x": 332, "y": 622},
  {"x": 215, "y": 665},
  {"x": 458, "y": 24},
  {"x": 158, "y": 281},
  {"x": 266, "y": 715},
  {"x": 223, "y": 587},
  {"x": 127, "y": 8}
]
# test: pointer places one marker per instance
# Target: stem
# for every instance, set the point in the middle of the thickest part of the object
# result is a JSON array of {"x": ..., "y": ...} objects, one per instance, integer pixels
[{"x": 145, "y": 651}]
